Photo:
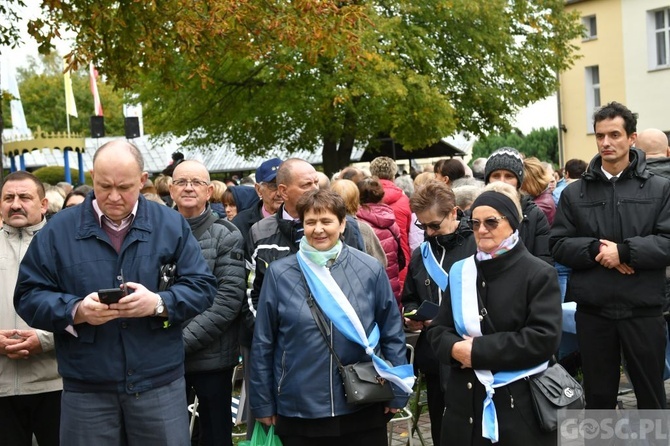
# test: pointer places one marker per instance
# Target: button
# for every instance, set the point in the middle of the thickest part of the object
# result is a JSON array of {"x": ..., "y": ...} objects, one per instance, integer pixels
[
  {"x": 471, "y": 420},
  {"x": 124, "y": 324},
  {"x": 469, "y": 386},
  {"x": 130, "y": 372},
  {"x": 132, "y": 386}
]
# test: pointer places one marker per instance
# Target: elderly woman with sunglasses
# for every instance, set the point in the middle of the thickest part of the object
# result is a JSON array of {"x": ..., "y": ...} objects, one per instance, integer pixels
[
  {"x": 499, "y": 323},
  {"x": 447, "y": 240}
]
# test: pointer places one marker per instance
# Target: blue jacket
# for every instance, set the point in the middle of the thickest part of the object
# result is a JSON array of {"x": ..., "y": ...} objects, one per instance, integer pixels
[
  {"x": 293, "y": 373},
  {"x": 73, "y": 257}
]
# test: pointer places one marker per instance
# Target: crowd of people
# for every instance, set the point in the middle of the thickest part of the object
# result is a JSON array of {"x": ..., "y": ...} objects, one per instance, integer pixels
[{"x": 122, "y": 299}]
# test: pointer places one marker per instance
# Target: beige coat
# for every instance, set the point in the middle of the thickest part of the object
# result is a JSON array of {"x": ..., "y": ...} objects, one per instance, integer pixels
[{"x": 39, "y": 373}]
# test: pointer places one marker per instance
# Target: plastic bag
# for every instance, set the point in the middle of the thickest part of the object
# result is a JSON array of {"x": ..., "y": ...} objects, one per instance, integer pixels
[
  {"x": 259, "y": 437},
  {"x": 272, "y": 439}
]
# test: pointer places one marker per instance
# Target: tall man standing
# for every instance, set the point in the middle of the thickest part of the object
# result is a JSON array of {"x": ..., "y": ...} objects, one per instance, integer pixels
[
  {"x": 613, "y": 229},
  {"x": 122, "y": 363},
  {"x": 210, "y": 338},
  {"x": 30, "y": 387}
]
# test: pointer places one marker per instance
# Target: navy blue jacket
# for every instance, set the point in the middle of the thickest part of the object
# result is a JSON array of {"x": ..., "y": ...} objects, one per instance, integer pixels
[
  {"x": 73, "y": 257},
  {"x": 292, "y": 370}
]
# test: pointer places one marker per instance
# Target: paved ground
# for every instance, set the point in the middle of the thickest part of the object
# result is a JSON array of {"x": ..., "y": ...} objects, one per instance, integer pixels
[{"x": 400, "y": 431}]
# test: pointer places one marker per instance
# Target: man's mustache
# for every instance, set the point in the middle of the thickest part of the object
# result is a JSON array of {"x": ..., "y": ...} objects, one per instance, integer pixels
[{"x": 18, "y": 212}]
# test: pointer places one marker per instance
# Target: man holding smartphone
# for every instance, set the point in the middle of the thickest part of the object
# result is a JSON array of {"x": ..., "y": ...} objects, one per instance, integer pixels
[{"x": 122, "y": 364}]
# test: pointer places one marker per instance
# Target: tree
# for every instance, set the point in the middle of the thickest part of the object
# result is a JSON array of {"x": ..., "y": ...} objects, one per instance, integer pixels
[
  {"x": 300, "y": 74},
  {"x": 43, "y": 98},
  {"x": 540, "y": 143}
]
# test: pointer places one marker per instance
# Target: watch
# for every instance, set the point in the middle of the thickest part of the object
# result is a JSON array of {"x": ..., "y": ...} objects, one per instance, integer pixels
[{"x": 159, "y": 307}]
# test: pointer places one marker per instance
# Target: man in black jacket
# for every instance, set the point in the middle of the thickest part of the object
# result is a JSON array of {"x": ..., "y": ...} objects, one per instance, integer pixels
[
  {"x": 613, "y": 229},
  {"x": 210, "y": 339},
  {"x": 266, "y": 188}
]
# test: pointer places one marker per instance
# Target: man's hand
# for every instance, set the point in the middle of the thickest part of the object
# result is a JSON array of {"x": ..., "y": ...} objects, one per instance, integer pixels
[
  {"x": 29, "y": 344},
  {"x": 139, "y": 303},
  {"x": 609, "y": 257},
  {"x": 268, "y": 421},
  {"x": 9, "y": 338},
  {"x": 462, "y": 352},
  {"x": 94, "y": 312}
]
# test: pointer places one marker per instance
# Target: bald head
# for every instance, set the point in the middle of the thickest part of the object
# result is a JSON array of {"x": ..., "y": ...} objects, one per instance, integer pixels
[
  {"x": 191, "y": 188},
  {"x": 118, "y": 176},
  {"x": 191, "y": 166},
  {"x": 118, "y": 146},
  {"x": 294, "y": 178},
  {"x": 654, "y": 142}
]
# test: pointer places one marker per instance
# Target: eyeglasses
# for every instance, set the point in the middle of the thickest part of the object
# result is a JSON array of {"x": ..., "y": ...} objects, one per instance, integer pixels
[
  {"x": 195, "y": 183},
  {"x": 490, "y": 223},
  {"x": 433, "y": 226},
  {"x": 271, "y": 185}
]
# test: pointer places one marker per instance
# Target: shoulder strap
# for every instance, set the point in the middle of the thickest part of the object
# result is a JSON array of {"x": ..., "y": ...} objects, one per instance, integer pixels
[
  {"x": 208, "y": 223},
  {"x": 323, "y": 327}
]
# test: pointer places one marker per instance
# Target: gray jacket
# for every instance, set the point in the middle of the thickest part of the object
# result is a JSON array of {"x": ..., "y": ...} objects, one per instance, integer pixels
[
  {"x": 38, "y": 374},
  {"x": 210, "y": 339}
]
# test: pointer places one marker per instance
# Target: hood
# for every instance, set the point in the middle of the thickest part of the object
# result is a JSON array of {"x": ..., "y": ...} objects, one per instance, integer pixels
[
  {"x": 392, "y": 193},
  {"x": 245, "y": 197},
  {"x": 378, "y": 215}
]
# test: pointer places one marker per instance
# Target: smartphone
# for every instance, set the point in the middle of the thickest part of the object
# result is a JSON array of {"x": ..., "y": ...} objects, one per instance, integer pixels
[{"x": 110, "y": 295}]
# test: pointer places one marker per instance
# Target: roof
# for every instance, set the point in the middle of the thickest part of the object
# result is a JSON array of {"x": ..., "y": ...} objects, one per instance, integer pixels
[{"x": 224, "y": 158}]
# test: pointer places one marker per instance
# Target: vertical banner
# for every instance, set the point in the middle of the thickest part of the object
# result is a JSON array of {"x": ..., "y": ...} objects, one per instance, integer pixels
[
  {"x": 70, "y": 105},
  {"x": 97, "y": 105}
]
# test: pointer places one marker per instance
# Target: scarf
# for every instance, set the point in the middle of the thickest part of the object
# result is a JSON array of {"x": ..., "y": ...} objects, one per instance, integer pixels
[
  {"x": 433, "y": 267},
  {"x": 465, "y": 308},
  {"x": 504, "y": 246},
  {"x": 321, "y": 258},
  {"x": 338, "y": 309}
]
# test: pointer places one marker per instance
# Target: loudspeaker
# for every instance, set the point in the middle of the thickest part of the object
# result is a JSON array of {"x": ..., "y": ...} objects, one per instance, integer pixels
[
  {"x": 132, "y": 126},
  {"x": 97, "y": 126}
]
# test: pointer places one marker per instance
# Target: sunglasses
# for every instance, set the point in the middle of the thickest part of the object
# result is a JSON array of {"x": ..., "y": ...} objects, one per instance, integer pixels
[
  {"x": 490, "y": 223},
  {"x": 433, "y": 226}
]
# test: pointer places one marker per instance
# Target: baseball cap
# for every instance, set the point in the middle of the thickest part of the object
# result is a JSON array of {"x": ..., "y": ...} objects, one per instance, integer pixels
[{"x": 267, "y": 171}]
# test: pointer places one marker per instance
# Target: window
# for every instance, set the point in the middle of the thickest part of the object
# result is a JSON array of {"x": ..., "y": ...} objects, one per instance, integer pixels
[
  {"x": 592, "y": 94},
  {"x": 658, "y": 28},
  {"x": 590, "y": 28}
]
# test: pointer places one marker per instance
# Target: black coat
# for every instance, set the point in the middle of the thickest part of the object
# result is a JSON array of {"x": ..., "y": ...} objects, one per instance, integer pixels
[
  {"x": 211, "y": 338},
  {"x": 634, "y": 212},
  {"x": 534, "y": 230},
  {"x": 522, "y": 298},
  {"x": 419, "y": 287}
]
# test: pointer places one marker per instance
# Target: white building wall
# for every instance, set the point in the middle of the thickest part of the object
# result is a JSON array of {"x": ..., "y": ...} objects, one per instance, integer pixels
[{"x": 647, "y": 90}]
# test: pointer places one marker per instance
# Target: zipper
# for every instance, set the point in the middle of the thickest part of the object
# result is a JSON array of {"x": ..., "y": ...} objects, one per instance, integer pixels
[
  {"x": 511, "y": 397},
  {"x": 283, "y": 372}
]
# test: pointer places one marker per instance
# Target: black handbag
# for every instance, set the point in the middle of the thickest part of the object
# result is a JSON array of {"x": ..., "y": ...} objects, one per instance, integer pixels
[
  {"x": 551, "y": 390},
  {"x": 362, "y": 383}
]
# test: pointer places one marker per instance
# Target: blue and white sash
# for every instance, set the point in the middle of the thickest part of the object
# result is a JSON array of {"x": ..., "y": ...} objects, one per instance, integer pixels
[
  {"x": 339, "y": 310},
  {"x": 433, "y": 267},
  {"x": 465, "y": 308}
]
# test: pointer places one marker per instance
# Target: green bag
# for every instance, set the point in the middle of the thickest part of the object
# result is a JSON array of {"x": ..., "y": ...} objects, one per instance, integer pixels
[
  {"x": 260, "y": 438},
  {"x": 272, "y": 439}
]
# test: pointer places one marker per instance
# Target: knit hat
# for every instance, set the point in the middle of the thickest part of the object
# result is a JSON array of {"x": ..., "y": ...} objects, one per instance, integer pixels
[
  {"x": 505, "y": 158},
  {"x": 267, "y": 171},
  {"x": 501, "y": 203},
  {"x": 384, "y": 168}
]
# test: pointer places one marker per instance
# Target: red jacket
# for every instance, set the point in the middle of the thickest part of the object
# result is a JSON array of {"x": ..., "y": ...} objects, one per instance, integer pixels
[
  {"x": 382, "y": 220},
  {"x": 399, "y": 202}
]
